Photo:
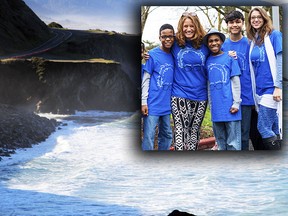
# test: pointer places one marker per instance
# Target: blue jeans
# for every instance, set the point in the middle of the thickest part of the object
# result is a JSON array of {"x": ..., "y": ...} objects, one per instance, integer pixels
[
  {"x": 164, "y": 132},
  {"x": 267, "y": 122},
  {"x": 228, "y": 135},
  {"x": 245, "y": 126}
]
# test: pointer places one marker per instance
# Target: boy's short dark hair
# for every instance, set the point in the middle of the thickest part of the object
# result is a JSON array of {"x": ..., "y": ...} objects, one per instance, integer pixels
[
  {"x": 232, "y": 15},
  {"x": 166, "y": 26}
]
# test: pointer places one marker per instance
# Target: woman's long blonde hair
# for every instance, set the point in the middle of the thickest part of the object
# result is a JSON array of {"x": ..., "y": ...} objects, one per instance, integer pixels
[
  {"x": 198, "y": 35},
  {"x": 267, "y": 27}
]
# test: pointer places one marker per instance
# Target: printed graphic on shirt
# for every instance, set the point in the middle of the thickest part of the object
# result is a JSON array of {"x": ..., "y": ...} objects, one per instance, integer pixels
[
  {"x": 191, "y": 66},
  {"x": 218, "y": 79},
  {"x": 258, "y": 56},
  {"x": 242, "y": 60},
  {"x": 163, "y": 81}
]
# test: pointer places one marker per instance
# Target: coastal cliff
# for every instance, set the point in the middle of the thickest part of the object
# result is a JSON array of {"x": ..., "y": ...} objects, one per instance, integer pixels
[
  {"x": 66, "y": 87},
  {"x": 81, "y": 70}
]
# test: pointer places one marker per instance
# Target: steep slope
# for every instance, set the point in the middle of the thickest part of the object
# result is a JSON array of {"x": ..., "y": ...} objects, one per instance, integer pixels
[{"x": 20, "y": 27}]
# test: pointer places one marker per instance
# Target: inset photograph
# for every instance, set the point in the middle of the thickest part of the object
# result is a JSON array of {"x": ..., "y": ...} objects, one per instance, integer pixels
[{"x": 211, "y": 78}]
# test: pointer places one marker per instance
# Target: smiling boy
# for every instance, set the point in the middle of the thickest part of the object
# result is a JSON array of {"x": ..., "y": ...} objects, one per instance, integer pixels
[
  {"x": 239, "y": 43},
  {"x": 224, "y": 87},
  {"x": 156, "y": 92}
]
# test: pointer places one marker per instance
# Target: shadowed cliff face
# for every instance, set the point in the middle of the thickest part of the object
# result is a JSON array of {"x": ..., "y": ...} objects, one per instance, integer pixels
[
  {"x": 59, "y": 87},
  {"x": 20, "y": 28},
  {"x": 86, "y": 45},
  {"x": 66, "y": 87}
]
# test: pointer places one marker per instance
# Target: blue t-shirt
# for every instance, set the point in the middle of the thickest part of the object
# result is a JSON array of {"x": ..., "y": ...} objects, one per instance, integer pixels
[
  {"x": 160, "y": 66},
  {"x": 263, "y": 76},
  {"x": 242, "y": 48},
  {"x": 190, "y": 79},
  {"x": 220, "y": 69}
]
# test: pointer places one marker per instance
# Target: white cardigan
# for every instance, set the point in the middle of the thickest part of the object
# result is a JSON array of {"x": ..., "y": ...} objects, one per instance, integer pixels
[{"x": 266, "y": 99}]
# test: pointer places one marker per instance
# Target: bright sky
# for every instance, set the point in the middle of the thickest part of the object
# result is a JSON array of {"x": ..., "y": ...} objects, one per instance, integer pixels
[
  {"x": 109, "y": 15},
  {"x": 171, "y": 15},
  {"x": 120, "y": 16}
]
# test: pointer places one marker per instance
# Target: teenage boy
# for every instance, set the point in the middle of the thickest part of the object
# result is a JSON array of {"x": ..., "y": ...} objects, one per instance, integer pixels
[
  {"x": 156, "y": 92},
  {"x": 224, "y": 89},
  {"x": 238, "y": 43}
]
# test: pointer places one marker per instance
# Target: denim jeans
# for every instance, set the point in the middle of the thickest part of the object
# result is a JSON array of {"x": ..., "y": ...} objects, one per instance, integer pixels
[
  {"x": 267, "y": 122},
  {"x": 245, "y": 126},
  {"x": 164, "y": 132},
  {"x": 228, "y": 135}
]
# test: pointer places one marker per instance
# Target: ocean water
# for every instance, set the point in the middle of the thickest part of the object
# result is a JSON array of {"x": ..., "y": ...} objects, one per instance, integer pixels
[{"x": 94, "y": 166}]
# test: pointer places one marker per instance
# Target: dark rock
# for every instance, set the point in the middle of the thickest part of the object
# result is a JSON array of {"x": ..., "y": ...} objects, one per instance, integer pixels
[
  {"x": 180, "y": 213},
  {"x": 22, "y": 129},
  {"x": 68, "y": 86},
  {"x": 120, "y": 48}
]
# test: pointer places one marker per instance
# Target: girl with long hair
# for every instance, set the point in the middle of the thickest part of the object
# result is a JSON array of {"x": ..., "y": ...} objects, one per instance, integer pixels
[{"x": 265, "y": 58}]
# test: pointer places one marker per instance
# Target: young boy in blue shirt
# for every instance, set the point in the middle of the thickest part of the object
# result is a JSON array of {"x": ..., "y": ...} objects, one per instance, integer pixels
[
  {"x": 224, "y": 89},
  {"x": 156, "y": 92},
  {"x": 239, "y": 43}
]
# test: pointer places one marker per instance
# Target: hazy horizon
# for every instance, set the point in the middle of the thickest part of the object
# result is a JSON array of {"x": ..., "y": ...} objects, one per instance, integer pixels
[{"x": 87, "y": 14}]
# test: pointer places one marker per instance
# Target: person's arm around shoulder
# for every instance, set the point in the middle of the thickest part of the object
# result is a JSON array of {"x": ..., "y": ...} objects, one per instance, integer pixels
[{"x": 146, "y": 56}]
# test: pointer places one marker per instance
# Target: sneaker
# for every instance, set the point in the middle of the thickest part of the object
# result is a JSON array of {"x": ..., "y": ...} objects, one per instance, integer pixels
[{"x": 215, "y": 147}]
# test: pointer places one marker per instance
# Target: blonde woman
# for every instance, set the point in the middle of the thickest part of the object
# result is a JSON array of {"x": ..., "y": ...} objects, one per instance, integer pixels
[{"x": 189, "y": 90}]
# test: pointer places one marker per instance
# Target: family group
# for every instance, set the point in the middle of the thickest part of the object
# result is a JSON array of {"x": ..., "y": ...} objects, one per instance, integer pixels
[{"x": 238, "y": 77}]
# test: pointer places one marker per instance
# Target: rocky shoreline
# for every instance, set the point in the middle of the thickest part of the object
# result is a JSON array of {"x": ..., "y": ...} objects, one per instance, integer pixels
[{"x": 22, "y": 129}]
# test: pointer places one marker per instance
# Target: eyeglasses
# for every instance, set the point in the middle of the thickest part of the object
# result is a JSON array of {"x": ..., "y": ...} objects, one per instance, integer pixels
[
  {"x": 164, "y": 37},
  {"x": 256, "y": 17},
  {"x": 189, "y": 14}
]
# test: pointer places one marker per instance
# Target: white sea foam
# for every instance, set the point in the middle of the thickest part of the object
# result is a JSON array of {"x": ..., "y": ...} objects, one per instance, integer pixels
[{"x": 99, "y": 169}]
